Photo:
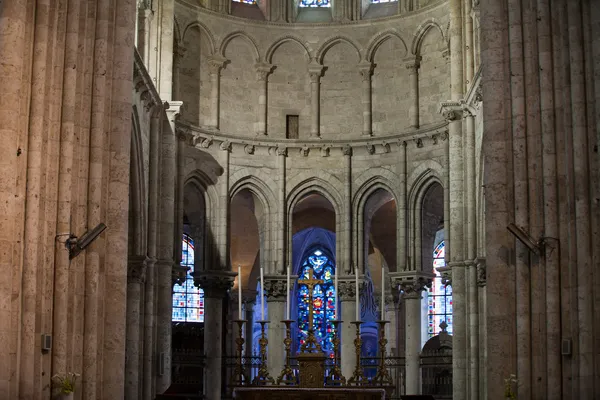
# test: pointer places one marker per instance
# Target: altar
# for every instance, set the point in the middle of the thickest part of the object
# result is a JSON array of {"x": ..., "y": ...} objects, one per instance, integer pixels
[{"x": 295, "y": 393}]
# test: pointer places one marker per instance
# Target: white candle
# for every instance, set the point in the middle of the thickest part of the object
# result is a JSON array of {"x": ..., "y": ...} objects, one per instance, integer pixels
[
  {"x": 262, "y": 301},
  {"x": 382, "y": 293},
  {"x": 335, "y": 288},
  {"x": 357, "y": 295},
  {"x": 239, "y": 292},
  {"x": 287, "y": 287}
]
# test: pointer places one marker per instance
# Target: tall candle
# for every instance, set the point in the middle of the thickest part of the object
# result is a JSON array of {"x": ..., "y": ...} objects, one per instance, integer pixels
[
  {"x": 262, "y": 300},
  {"x": 287, "y": 288},
  {"x": 239, "y": 292},
  {"x": 357, "y": 295},
  {"x": 382, "y": 293},
  {"x": 335, "y": 288}
]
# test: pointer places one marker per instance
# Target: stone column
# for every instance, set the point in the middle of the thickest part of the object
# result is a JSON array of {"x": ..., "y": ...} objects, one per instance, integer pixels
[
  {"x": 366, "y": 71},
  {"x": 481, "y": 282},
  {"x": 178, "y": 54},
  {"x": 347, "y": 252},
  {"x": 223, "y": 213},
  {"x": 411, "y": 284},
  {"x": 136, "y": 276},
  {"x": 262, "y": 76},
  {"x": 280, "y": 252},
  {"x": 412, "y": 65},
  {"x": 347, "y": 298},
  {"x": 143, "y": 34},
  {"x": 275, "y": 290},
  {"x": 215, "y": 285},
  {"x": 215, "y": 64},
  {"x": 315, "y": 71},
  {"x": 391, "y": 328}
]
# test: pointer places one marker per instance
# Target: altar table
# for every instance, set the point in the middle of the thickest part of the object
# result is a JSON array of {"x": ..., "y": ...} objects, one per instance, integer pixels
[{"x": 296, "y": 393}]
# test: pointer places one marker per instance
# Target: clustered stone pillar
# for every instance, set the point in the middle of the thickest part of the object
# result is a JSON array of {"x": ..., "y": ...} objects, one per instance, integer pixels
[
  {"x": 412, "y": 301},
  {"x": 366, "y": 71},
  {"x": 262, "y": 76},
  {"x": 275, "y": 290},
  {"x": 413, "y": 65},
  {"x": 215, "y": 65},
  {"x": 347, "y": 298},
  {"x": 136, "y": 276},
  {"x": 315, "y": 71},
  {"x": 215, "y": 285}
]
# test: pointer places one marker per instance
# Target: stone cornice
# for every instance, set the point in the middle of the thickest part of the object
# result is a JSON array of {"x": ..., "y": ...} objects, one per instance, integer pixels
[
  {"x": 142, "y": 83},
  {"x": 204, "y": 138},
  {"x": 206, "y": 13}
]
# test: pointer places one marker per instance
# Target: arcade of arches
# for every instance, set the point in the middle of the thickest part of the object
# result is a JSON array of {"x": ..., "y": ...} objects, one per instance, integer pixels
[{"x": 394, "y": 139}]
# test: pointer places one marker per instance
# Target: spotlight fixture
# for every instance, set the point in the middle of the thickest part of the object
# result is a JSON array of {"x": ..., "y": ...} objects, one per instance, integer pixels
[
  {"x": 77, "y": 245},
  {"x": 526, "y": 239}
]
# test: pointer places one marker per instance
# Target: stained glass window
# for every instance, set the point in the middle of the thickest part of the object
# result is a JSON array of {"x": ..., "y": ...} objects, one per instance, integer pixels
[
  {"x": 315, "y": 3},
  {"x": 188, "y": 300},
  {"x": 324, "y": 298},
  {"x": 246, "y": 1},
  {"x": 382, "y": 1},
  {"x": 439, "y": 297}
]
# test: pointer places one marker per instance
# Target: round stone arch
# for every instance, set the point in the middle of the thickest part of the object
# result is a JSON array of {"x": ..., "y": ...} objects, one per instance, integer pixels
[
  {"x": 309, "y": 186},
  {"x": 361, "y": 197},
  {"x": 414, "y": 213},
  {"x": 252, "y": 42},
  {"x": 379, "y": 39},
  {"x": 260, "y": 191},
  {"x": 199, "y": 184}
]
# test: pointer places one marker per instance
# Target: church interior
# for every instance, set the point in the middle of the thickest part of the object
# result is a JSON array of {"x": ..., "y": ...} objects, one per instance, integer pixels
[{"x": 324, "y": 199}]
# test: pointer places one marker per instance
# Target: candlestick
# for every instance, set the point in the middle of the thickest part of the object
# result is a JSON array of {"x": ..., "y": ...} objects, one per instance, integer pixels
[
  {"x": 382, "y": 293},
  {"x": 335, "y": 377},
  {"x": 357, "y": 295},
  {"x": 287, "y": 288},
  {"x": 263, "y": 376},
  {"x": 287, "y": 376},
  {"x": 262, "y": 300},
  {"x": 358, "y": 378},
  {"x": 239, "y": 374},
  {"x": 239, "y": 292},
  {"x": 382, "y": 377}
]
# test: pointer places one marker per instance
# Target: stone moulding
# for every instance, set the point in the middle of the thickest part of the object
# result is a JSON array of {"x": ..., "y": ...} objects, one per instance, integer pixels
[
  {"x": 142, "y": 83},
  {"x": 203, "y": 138}
]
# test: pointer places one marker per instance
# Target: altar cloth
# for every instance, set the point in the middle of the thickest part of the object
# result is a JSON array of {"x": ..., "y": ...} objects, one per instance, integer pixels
[{"x": 296, "y": 393}]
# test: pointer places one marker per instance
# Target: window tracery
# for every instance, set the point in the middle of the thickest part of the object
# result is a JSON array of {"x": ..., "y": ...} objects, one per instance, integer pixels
[{"x": 188, "y": 300}]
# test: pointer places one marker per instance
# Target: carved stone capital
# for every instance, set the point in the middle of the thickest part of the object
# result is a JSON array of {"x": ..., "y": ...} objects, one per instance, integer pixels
[
  {"x": 136, "y": 269},
  {"x": 305, "y": 150},
  {"x": 411, "y": 283},
  {"x": 225, "y": 146},
  {"x": 412, "y": 64},
  {"x": 347, "y": 150},
  {"x": 366, "y": 70},
  {"x": 315, "y": 71},
  {"x": 249, "y": 298},
  {"x": 216, "y": 64},
  {"x": 281, "y": 151},
  {"x": 370, "y": 149},
  {"x": 325, "y": 151},
  {"x": 446, "y": 273},
  {"x": 249, "y": 149},
  {"x": 481, "y": 272},
  {"x": 451, "y": 110},
  {"x": 262, "y": 71},
  {"x": 214, "y": 283},
  {"x": 276, "y": 286},
  {"x": 347, "y": 289}
]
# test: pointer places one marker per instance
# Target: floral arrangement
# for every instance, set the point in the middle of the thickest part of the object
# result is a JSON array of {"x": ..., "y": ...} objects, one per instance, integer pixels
[
  {"x": 508, "y": 387},
  {"x": 66, "y": 382}
]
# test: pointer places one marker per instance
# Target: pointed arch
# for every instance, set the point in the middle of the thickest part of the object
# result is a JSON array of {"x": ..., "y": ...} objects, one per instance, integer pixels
[
  {"x": 422, "y": 31},
  {"x": 379, "y": 39},
  {"x": 288, "y": 38},
  {"x": 251, "y": 41},
  {"x": 205, "y": 30},
  {"x": 329, "y": 43}
]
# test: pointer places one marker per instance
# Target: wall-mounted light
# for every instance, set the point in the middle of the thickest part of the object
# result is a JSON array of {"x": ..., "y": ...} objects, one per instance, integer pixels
[{"x": 77, "y": 245}]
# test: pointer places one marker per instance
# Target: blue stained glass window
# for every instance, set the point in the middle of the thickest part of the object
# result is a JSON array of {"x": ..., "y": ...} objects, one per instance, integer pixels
[
  {"x": 439, "y": 297},
  {"x": 246, "y": 1},
  {"x": 382, "y": 1},
  {"x": 315, "y": 3},
  {"x": 188, "y": 300},
  {"x": 324, "y": 298}
]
